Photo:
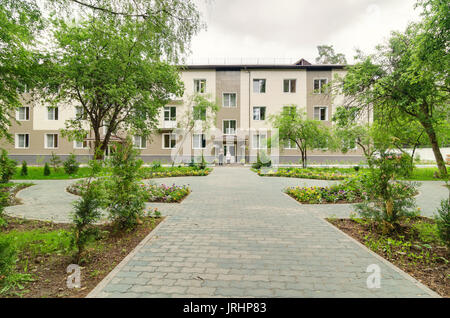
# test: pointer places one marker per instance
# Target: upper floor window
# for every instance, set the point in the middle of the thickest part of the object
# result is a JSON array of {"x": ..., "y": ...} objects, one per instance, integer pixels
[
  {"x": 23, "y": 113},
  {"x": 259, "y": 141},
  {"x": 259, "y": 113},
  {"x": 199, "y": 113},
  {"x": 229, "y": 127},
  {"x": 51, "y": 141},
  {"x": 229, "y": 99},
  {"x": 22, "y": 140},
  {"x": 200, "y": 86},
  {"x": 321, "y": 113},
  {"x": 259, "y": 85},
  {"x": 170, "y": 113},
  {"x": 169, "y": 141},
  {"x": 320, "y": 86},
  {"x": 52, "y": 113},
  {"x": 199, "y": 141},
  {"x": 139, "y": 142},
  {"x": 289, "y": 85},
  {"x": 80, "y": 114}
]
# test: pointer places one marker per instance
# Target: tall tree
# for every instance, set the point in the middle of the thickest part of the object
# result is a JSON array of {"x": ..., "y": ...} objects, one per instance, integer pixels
[
  {"x": 327, "y": 55},
  {"x": 19, "y": 22},
  {"x": 402, "y": 81},
  {"x": 296, "y": 128},
  {"x": 119, "y": 69}
]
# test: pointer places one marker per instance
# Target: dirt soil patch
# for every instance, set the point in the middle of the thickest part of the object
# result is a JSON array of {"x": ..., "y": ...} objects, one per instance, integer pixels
[
  {"x": 427, "y": 262},
  {"x": 49, "y": 271}
]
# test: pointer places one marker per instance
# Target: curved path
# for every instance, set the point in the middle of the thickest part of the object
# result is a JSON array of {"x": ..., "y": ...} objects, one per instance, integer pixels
[{"x": 238, "y": 235}]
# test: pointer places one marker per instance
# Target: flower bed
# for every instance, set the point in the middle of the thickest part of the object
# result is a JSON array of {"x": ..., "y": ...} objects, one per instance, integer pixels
[
  {"x": 149, "y": 173},
  {"x": 155, "y": 193},
  {"x": 309, "y": 173}
]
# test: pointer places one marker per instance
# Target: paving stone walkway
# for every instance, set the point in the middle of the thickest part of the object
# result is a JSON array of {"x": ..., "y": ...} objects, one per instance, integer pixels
[{"x": 238, "y": 235}]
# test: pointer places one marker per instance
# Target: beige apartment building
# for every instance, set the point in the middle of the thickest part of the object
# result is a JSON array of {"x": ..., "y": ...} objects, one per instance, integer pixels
[{"x": 246, "y": 94}]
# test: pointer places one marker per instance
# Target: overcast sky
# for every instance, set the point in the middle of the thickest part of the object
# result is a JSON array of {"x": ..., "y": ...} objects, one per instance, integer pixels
[{"x": 292, "y": 29}]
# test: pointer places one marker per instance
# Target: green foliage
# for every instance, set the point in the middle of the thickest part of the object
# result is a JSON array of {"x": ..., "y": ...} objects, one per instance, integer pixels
[
  {"x": 126, "y": 196},
  {"x": 169, "y": 172},
  {"x": 328, "y": 56},
  {"x": 46, "y": 169},
  {"x": 427, "y": 233},
  {"x": 443, "y": 221},
  {"x": 71, "y": 165},
  {"x": 24, "y": 169},
  {"x": 310, "y": 173},
  {"x": 8, "y": 259},
  {"x": 156, "y": 165},
  {"x": 7, "y": 167},
  {"x": 55, "y": 162},
  {"x": 163, "y": 193}
]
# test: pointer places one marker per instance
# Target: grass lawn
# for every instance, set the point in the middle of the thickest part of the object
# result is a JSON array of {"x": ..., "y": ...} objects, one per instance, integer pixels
[
  {"x": 424, "y": 174},
  {"x": 37, "y": 173}
]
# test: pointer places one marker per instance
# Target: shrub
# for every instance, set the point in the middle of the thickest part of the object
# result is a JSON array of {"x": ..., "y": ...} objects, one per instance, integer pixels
[
  {"x": 126, "y": 198},
  {"x": 163, "y": 193},
  {"x": 7, "y": 167},
  {"x": 46, "y": 169},
  {"x": 427, "y": 233},
  {"x": 24, "y": 169},
  {"x": 443, "y": 221},
  {"x": 55, "y": 162},
  {"x": 356, "y": 168},
  {"x": 71, "y": 165},
  {"x": 156, "y": 165},
  {"x": 8, "y": 259}
]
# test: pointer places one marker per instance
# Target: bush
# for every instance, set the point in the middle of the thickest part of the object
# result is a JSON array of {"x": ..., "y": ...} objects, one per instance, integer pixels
[
  {"x": 156, "y": 165},
  {"x": 427, "y": 233},
  {"x": 8, "y": 259},
  {"x": 71, "y": 165},
  {"x": 443, "y": 221},
  {"x": 46, "y": 169},
  {"x": 7, "y": 167},
  {"x": 55, "y": 162},
  {"x": 356, "y": 168},
  {"x": 24, "y": 169},
  {"x": 126, "y": 197}
]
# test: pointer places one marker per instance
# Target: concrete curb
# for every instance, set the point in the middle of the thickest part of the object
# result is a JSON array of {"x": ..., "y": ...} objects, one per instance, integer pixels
[
  {"x": 386, "y": 262},
  {"x": 96, "y": 291}
]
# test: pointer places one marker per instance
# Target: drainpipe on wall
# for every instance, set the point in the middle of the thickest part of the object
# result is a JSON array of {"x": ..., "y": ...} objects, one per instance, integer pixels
[{"x": 249, "y": 111}]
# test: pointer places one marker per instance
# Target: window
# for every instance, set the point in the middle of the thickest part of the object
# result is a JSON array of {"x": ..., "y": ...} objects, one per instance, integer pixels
[
  {"x": 320, "y": 86},
  {"x": 52, "y": 113},
  {"x": 81, "y": 144},
  {"x": 290, "y": 109},
  {"x": 169, "y": 141},
  {"x": 199, "y": 113},
  {"x": 200, "y": 86},
  {"x": 23, "y": 113},
  {"x": 259, "y": 85},
  {"x": 229, "y": 127},
  {"x": 139, "y": 142},
  {"x": 170, "y": 113},
  {"x": 290, "y": 145},
  {"x": 51, "y": 141},
  {"x": 289, "y": 85},
  {"x": 229, "y": 99},
  {"x": 199, "y": 141},
  {"x": 259, "y": 141},
  {"x": 80, "y": 114},
  {"x": 259, "y": 113},
  {"x": 22, "y": 140},
  {"x": 321, "y": 113}
]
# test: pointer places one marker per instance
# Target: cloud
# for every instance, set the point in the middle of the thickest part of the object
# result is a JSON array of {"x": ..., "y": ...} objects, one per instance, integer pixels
[{"x": 293, "y": 28}]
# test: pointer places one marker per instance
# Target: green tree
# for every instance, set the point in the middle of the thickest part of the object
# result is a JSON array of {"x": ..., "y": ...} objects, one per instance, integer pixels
[
  {"x": 20, "y": 21},
  {"x": 401, "y": 79},
  {"x": 294, "y": 127},
  {"x": 327, "y": 55}
]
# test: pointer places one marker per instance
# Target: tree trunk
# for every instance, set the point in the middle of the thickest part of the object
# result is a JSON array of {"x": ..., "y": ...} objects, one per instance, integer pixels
[{"x": 429, "y": 129}]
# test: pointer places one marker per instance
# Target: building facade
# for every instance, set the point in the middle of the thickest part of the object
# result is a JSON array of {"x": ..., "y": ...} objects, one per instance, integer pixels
[{"x": 247, "y": 95}]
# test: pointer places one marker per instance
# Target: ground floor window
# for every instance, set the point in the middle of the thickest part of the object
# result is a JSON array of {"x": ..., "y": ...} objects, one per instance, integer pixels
[
  {"x": 199, "y": 141},
  {"x": 139, "y": 142},
  {"x": 259, "y": 141},
  {"x": 81, "y": 144},
  {"x": 169, "y": 141},
  {"x": 51, "y": 141},
  {"x": 22, "y": 140},
  {"x": 229, "y": 127},
  {"x": 290, "y": 145}
]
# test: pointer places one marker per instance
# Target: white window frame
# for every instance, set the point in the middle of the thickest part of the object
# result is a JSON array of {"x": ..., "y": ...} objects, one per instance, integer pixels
[
  {"x": 223, "y": 126},
  {"x": 259, "y": 113},
  {"x": 295, "y": 87},
  {"x": 259, "y": 85},
  {"x": 171, "y": 137},
  {"x": 16, "y": 138},
  {"x": 141, "y": 138},
  {"x": 258, "y": 136},
  {"x": 291, "y": 146},
  {"x": 57, "y": 141},
  {"x": 169, "y": 109},
  {"x": 193, "y": 143},
  {"x": 320, "y": 107},
  {"x": 229, "y": 100},
  {"x": 201, "y": 89},
  {"x": 320, "y": 79},
  {"x": 75, "y": 144},
  {"x": 27, "y": 113},
  {"x": 52, "y": 110}
]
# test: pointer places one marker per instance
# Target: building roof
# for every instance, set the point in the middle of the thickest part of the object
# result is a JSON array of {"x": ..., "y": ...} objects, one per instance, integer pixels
[{"x": 263, "y": 67}]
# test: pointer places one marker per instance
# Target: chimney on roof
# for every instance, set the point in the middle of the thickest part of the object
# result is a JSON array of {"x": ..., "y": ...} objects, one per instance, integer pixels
[{"x": 303, "y": 62}]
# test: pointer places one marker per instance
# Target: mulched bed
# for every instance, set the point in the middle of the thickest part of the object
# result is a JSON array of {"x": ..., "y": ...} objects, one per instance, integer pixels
[
  {"x": 49, "y": 271},
  {"x": 13, "y": 188},
  {"x": 435, "y": 274}
]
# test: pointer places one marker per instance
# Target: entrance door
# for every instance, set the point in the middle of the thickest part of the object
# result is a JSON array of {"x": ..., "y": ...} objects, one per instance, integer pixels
[{"x": 232, "y": 150}]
